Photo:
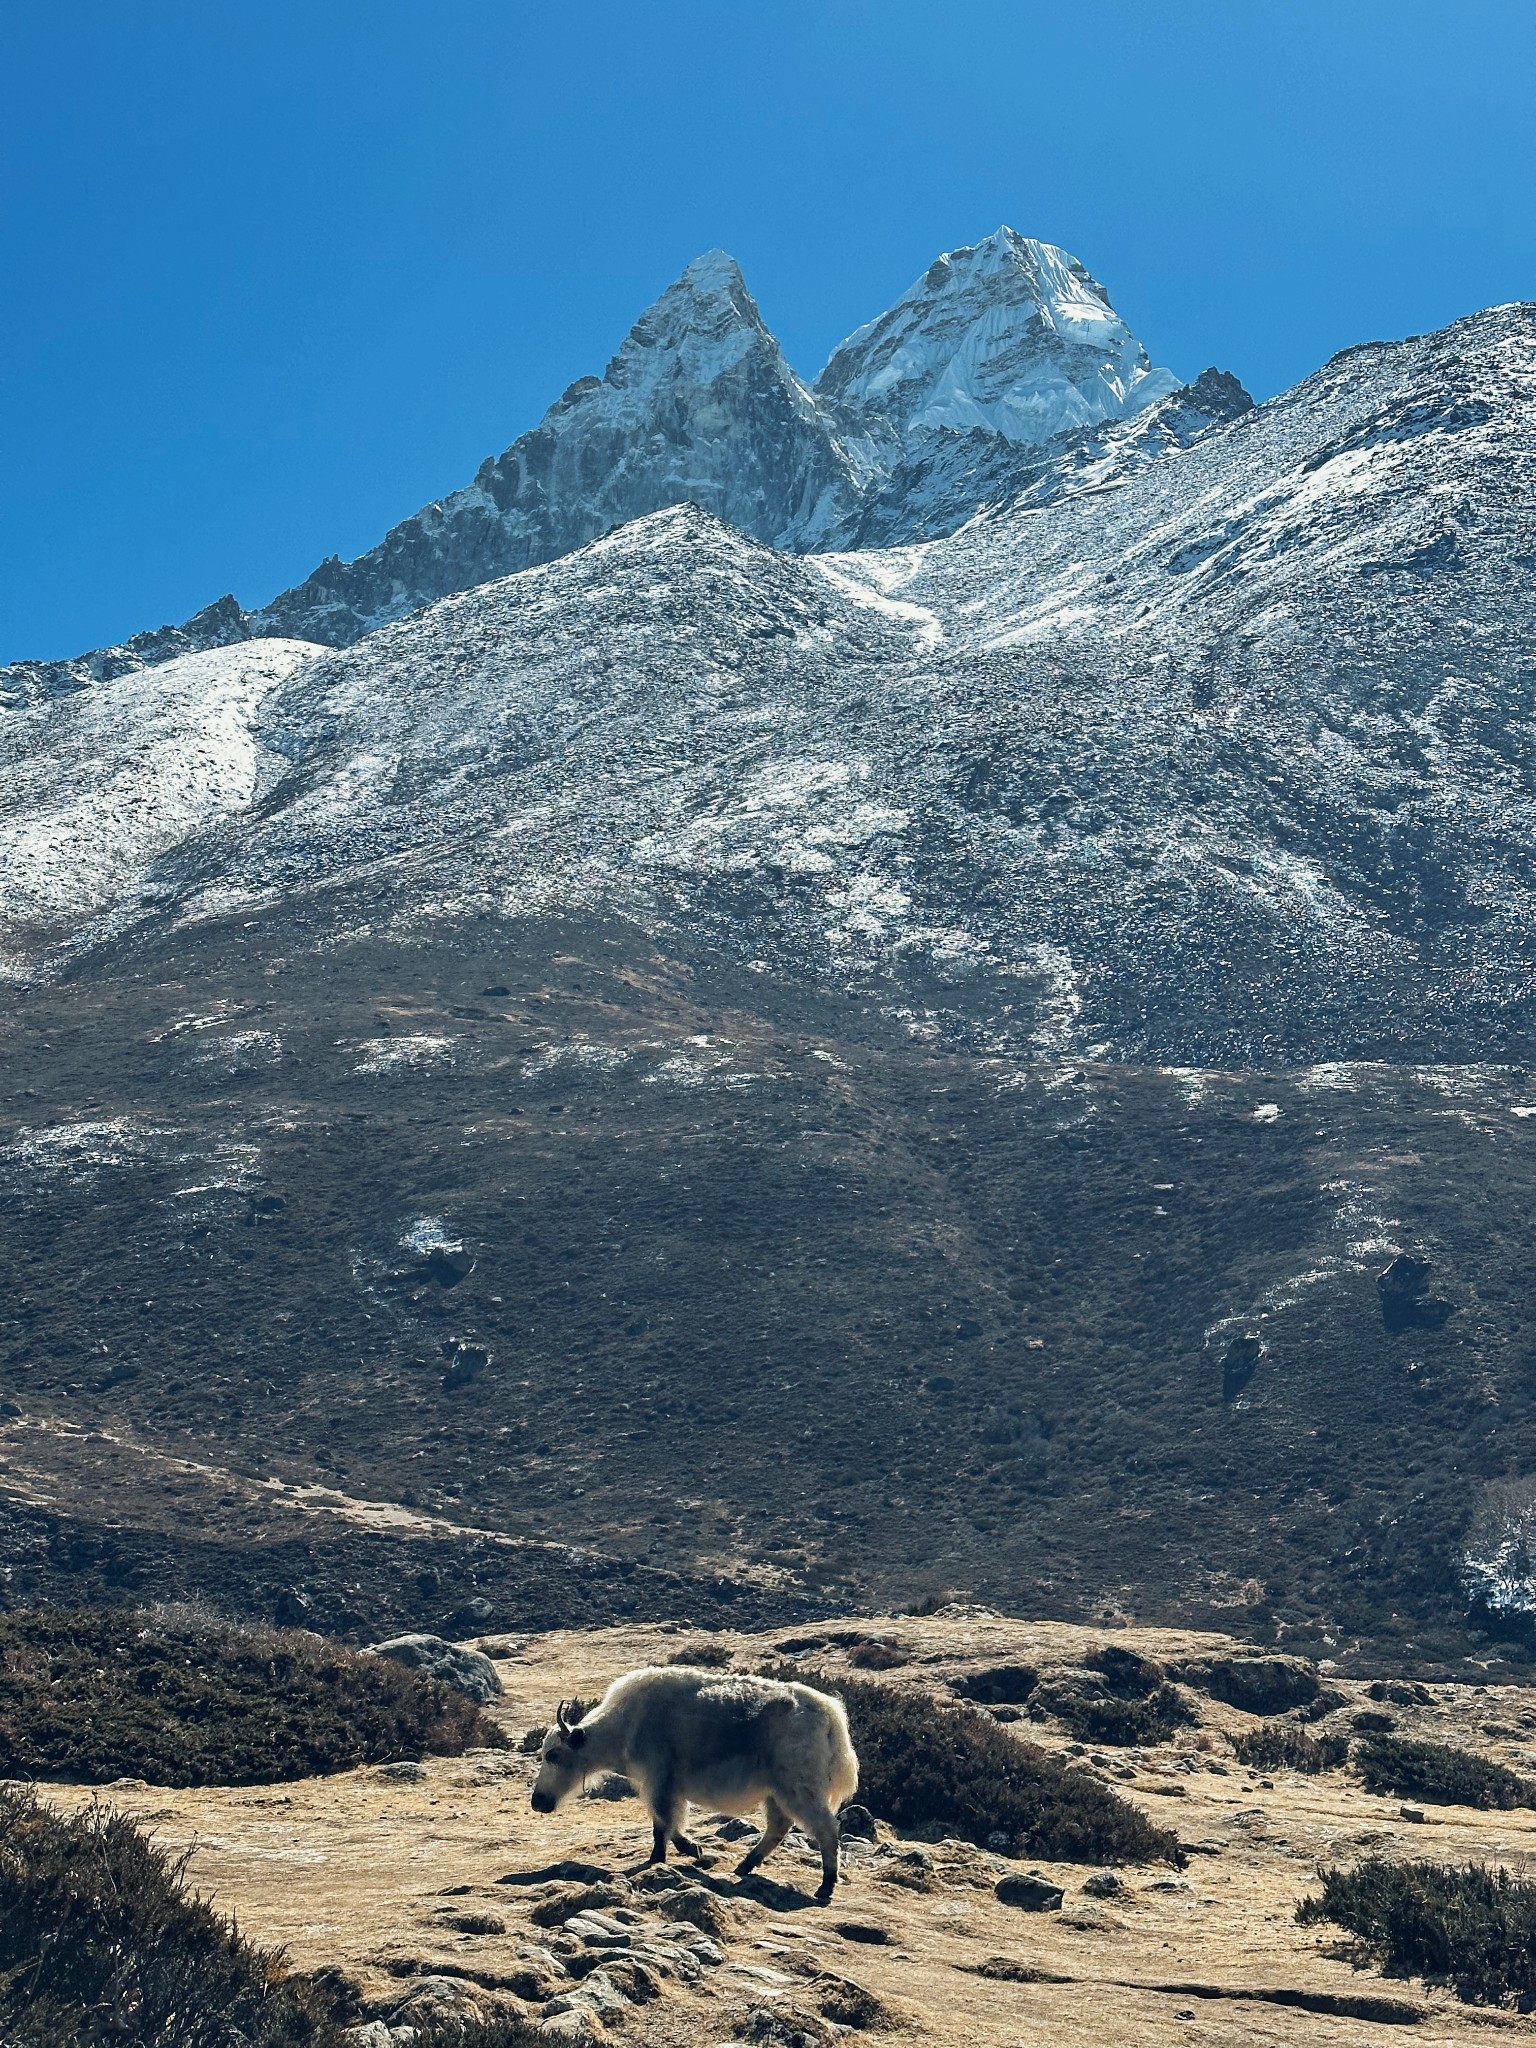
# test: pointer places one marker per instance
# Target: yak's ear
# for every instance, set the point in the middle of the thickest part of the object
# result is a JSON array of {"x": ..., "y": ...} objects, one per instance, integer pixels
[{"x": 576, "y": 1737}]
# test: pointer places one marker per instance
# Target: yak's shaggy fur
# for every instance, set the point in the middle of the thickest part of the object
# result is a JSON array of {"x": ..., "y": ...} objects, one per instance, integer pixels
[{"x": 685, "y": 1736}]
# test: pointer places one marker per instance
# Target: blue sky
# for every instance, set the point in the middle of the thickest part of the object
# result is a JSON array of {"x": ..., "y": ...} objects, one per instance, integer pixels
[{"x": 276, "y": 273}]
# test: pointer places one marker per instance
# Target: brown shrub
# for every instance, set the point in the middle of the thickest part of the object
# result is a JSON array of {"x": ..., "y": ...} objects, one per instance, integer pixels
[
  {"x": 923, "y": 1760},
  {"x": 1290, "y": 1749},
  {"x": 101, "y": 1943},
  {"x": 90, "y": 1694}
]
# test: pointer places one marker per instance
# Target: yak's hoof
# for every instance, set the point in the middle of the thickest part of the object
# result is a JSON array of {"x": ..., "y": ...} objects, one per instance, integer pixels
[
  {"x": 825, "y": 1890},
  {"x": 745, "y": 1867}
]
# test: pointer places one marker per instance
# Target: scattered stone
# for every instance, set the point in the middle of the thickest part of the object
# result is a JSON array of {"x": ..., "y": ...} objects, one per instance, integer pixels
[
  {"x": 1414, "y": 1813},
  {"x": 862, "y": 1930},
  {"x": 567, "y": 1871},
  {"x": 439, "y": 2001},
  {"x": 1088, "y": 1919},
  {"x": 1104, "y": 1884},
  {"x": 1006, "y": 1970},
  {"x": 293, "y": 1609},
  {"x": 448, "y": 1265},
  {"x": 701, "y": 1909},
  {"x": 858, "y": 1822},
  {"x": 1401, "y": 1692},
  {"x": 734, "y": 1830},
  {"x": 1030, "y": 1894},
  {"x": 633, "y": 1979},
  {"x": 404, "y": 1773},
  {"x": 466, "y": 1670},
  {"x": 464, "y": 1364},
  {"x": 609, "y": 1785},
  {"x": 785, "y": 2026}
]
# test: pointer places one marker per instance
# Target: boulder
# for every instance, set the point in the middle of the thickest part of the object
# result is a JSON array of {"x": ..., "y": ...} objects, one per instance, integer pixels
[
  {"x": 1030, "y": 1894},
  {"x": 466, "y": 1670},
  {"x": 1239, "y": 1362},
  {"x": 1259, "y": 1685},
  {"x": 1406, "y": 1302},
  {"x": 465, "y": 1364}
]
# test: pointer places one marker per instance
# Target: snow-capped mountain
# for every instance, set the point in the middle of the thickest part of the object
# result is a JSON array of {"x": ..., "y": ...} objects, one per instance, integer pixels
[
  {"x": 1012, "y": 336},
  {"x": 986, "y": 370},
  {"x": 1224, "y": 756}
]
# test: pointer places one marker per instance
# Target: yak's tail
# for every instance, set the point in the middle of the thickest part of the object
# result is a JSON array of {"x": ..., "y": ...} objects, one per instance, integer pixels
[{"x": 843, "y": 1773}]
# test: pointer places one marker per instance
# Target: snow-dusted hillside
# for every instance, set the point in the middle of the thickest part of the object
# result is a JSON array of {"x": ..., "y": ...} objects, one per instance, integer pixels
[
  {"x": 97, "y": 787},
  {"x": 1229, "y": 758}
]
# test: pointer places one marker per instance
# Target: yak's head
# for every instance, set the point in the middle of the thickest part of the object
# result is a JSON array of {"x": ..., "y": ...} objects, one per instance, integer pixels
[{"x": 562, "y": 1759}]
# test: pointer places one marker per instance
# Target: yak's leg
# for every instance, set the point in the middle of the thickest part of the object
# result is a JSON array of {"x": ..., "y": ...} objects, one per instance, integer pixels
[
  {"x": 776, "y": 1827},
  {"x": 667, "y": 1812},
  {"x": 823, "y": 1825},
  {"x": 684, "y": 1846}
]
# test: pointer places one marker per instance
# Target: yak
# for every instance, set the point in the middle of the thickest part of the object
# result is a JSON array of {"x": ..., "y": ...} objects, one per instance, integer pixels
[{"x": 725, "y": 1743}]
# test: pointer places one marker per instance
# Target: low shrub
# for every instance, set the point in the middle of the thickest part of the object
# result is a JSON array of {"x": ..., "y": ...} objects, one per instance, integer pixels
[
  {"x": 1085, "y": 1703},
  {"x": 1473, "y": 1928},
  {"x": 101, "y": 1943},
  {"x": 923, "y": 1760},
  {"x": 706, "y": 1653},
  {"x": 177, "y": 1697},
  {"x": 1443, "y": 1775},
  {"x": 1290, "y": 1749}
]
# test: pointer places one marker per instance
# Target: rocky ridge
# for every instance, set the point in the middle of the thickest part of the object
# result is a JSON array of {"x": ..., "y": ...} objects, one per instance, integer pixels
[{"x": 997, "y": 353}]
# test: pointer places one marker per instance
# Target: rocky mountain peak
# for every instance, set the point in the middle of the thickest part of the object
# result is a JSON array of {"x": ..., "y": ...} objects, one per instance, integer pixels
[
  {"x": 701, "y": 325},
  {"x": 942, "y": 406},
  {"x": 1010, "y": 335}
]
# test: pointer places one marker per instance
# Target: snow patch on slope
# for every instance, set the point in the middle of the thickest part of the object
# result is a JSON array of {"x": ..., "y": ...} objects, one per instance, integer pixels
[{"x": 96, "y": 786}]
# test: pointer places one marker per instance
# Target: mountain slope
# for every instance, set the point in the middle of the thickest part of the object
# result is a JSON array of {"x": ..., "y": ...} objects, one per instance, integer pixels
[
  {"x": 1048, "y": 1010},
  {"x": 1227, "y": 761}
]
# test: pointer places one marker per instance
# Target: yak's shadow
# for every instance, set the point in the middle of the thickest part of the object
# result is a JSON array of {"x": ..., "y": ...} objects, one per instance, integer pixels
[{"x": 762, "y": 1891}]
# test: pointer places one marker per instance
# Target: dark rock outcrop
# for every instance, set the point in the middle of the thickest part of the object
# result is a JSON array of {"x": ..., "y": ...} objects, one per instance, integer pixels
[{"x": 1406, "y": 1302}]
